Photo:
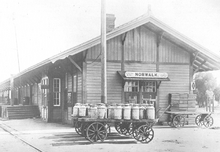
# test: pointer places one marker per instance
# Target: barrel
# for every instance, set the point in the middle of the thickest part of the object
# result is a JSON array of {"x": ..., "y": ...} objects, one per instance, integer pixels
[
  {"x": 118, "y": 112},
  {"x": 135, "y": 112},
  {"x": 151, "y": 112}
]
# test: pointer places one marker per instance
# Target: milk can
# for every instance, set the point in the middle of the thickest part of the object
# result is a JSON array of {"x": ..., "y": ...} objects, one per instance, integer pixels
[
  {"x": 151, "y": 112},
  {"x": 92, "y": 112},
  {"x": 76, "y": 110},
  {"x": 82, "y": 111},
  {"x": 110, "y": 112},
  {"x": 101, "y": 111},
  {"x": 127, "y": 112},
  {"x": 118, "y": 112},
  {"x": 135, "y": 112},
  {"x": 141, "y": 112}
]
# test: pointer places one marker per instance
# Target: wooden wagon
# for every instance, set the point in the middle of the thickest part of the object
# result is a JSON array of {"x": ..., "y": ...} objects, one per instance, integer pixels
[
  {"x": 96, "y": 130},
  {"x": 177, "y": 118}
]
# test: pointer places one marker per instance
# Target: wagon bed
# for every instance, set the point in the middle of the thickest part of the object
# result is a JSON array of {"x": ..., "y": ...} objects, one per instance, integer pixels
[
  {"x": 177, "y": 118},
  {"x": 96, "y": 130}
]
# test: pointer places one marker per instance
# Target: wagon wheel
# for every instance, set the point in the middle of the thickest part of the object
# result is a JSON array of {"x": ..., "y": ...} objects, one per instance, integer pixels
[
  {"x": 208, "y": 121},
  {"x": 78, "y": 127},
  {"x": 145, "y": 134},
  {"x": 117, "y": 127},
  {"x": 199, "y": 120},
  {"x": 96, "y": 132},
  {"x": 131, "y": 129},
  {"x": 135, "y": 134},
  {"x": 126, "y": 128},
  {"x": 178, "y": 121},
  {"x": 170, "y": 123}
]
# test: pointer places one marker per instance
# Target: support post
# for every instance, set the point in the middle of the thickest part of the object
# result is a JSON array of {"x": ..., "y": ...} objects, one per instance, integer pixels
[
  {"x": 103, "y": 57},
  {"x": 123, "y": 64}
]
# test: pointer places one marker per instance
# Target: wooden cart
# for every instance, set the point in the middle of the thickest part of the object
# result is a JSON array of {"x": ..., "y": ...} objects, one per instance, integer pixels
[
  {"x": 177, "y": 118},
  {"x": 96, "y": 130}
]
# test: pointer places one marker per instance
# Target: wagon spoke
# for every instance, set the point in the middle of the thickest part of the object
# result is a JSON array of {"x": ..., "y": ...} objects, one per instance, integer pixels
[
  {"x": 96, "y": 132},
  {"x": 147, "y": 135}
]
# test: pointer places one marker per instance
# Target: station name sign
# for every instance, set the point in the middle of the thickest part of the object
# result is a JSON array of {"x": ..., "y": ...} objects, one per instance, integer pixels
[{"x": 146, "y": 74}]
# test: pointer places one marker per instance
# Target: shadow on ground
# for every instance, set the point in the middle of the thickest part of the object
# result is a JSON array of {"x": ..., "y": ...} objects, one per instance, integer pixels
[{"x": 72, "y": 138}]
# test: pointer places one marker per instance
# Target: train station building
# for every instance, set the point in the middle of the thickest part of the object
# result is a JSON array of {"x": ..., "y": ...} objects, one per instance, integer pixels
[{"x": 146, "y": 59}]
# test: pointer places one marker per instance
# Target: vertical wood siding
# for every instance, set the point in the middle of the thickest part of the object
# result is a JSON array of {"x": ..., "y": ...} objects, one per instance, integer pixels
[
  {"x": 93, "y": 84},
  {"x": 171, "y": 53},
  {"x": 138, "y": 67},
  {"x": 140, "y": 45},
  {"x": 179, "y": 83},
  {"x": 114, "y": 82},
  {"x": 34, "y": 93}
]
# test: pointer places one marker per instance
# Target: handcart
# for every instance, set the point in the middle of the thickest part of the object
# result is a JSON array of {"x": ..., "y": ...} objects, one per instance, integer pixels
[
  {"x": 96, "y": 130},
  {"x": 178, "y": 118}
]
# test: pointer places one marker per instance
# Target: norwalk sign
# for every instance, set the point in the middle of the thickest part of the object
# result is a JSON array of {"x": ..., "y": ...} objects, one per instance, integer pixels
[{"x": 146, "y": 74}]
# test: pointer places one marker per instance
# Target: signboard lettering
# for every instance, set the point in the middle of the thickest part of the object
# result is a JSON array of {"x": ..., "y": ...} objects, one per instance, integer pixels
[{"x": 146, "y": 74}]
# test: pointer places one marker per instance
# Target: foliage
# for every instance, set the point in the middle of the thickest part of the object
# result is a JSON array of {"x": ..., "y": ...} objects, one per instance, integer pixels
[
  {"x": 217, "y": 93},
  {"x": 204, "y": 81}
]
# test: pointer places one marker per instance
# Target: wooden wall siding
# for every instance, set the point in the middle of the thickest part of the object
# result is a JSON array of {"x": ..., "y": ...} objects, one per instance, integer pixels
[
  {"x": 136, "y": 67},
  {"x": 39, "y": 95},
  {"x": 57, "y": 114},
  {"x": 34, "y": 94},
  {"x": 179, "y": 83},
  {"x": 114, "y": 82},
  {"x": 114, "y": 47},
  {"x": 114, "y": 86},
  {"x": 171, "y": 53},
  {"x": 93, "y": 84},
  {"x": 79, "y": 88},
  {"x": 140, "y": 45}
]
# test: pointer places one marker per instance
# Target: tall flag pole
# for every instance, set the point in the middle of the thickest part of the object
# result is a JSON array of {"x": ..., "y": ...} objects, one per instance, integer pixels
[{"x": 103, "y": 57}]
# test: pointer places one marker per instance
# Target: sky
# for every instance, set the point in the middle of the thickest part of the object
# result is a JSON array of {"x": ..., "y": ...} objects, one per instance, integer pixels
[{"x": 39, "y": 29}]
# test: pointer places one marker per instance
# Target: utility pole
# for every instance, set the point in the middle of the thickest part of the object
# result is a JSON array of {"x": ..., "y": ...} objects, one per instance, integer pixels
[{"x": 103, "y": 57}]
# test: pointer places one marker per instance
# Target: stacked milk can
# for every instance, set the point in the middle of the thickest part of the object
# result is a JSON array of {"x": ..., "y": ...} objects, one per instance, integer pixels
[{"x": 114, "y": 111}]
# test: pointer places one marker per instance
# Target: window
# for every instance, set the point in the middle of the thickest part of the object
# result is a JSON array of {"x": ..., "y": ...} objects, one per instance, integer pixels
[
  {"x": 56, "y": 92},
  {"x": 131, "y": 86},
  {"x": 45, "y": 82},
  {"x": 149, "y": 86}
]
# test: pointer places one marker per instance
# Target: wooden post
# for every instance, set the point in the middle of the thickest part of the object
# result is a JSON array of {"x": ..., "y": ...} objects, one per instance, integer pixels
[
  {"x": 103, "y": 57},
  {"x": 159, "y": 37},
  {"x": 123, "y": 64}
]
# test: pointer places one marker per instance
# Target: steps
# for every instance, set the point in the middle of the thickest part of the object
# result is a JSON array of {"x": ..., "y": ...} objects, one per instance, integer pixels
[{"x": 22, "y": 112}]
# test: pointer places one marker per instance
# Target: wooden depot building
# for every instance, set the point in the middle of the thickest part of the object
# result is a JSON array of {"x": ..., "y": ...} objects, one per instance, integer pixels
[{"x": 145, "y": 59}]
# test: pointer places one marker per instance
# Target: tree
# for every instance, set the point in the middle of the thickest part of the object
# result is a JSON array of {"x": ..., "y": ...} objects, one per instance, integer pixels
[{"x": 204, "y": 81}]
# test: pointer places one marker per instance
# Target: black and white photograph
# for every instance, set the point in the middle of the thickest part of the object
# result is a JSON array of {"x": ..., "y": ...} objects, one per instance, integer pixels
[{"x": 110, "y": 76}]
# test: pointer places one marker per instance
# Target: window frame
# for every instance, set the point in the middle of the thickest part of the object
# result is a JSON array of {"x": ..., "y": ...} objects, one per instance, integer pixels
[{"x": 56, "y": 101}]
